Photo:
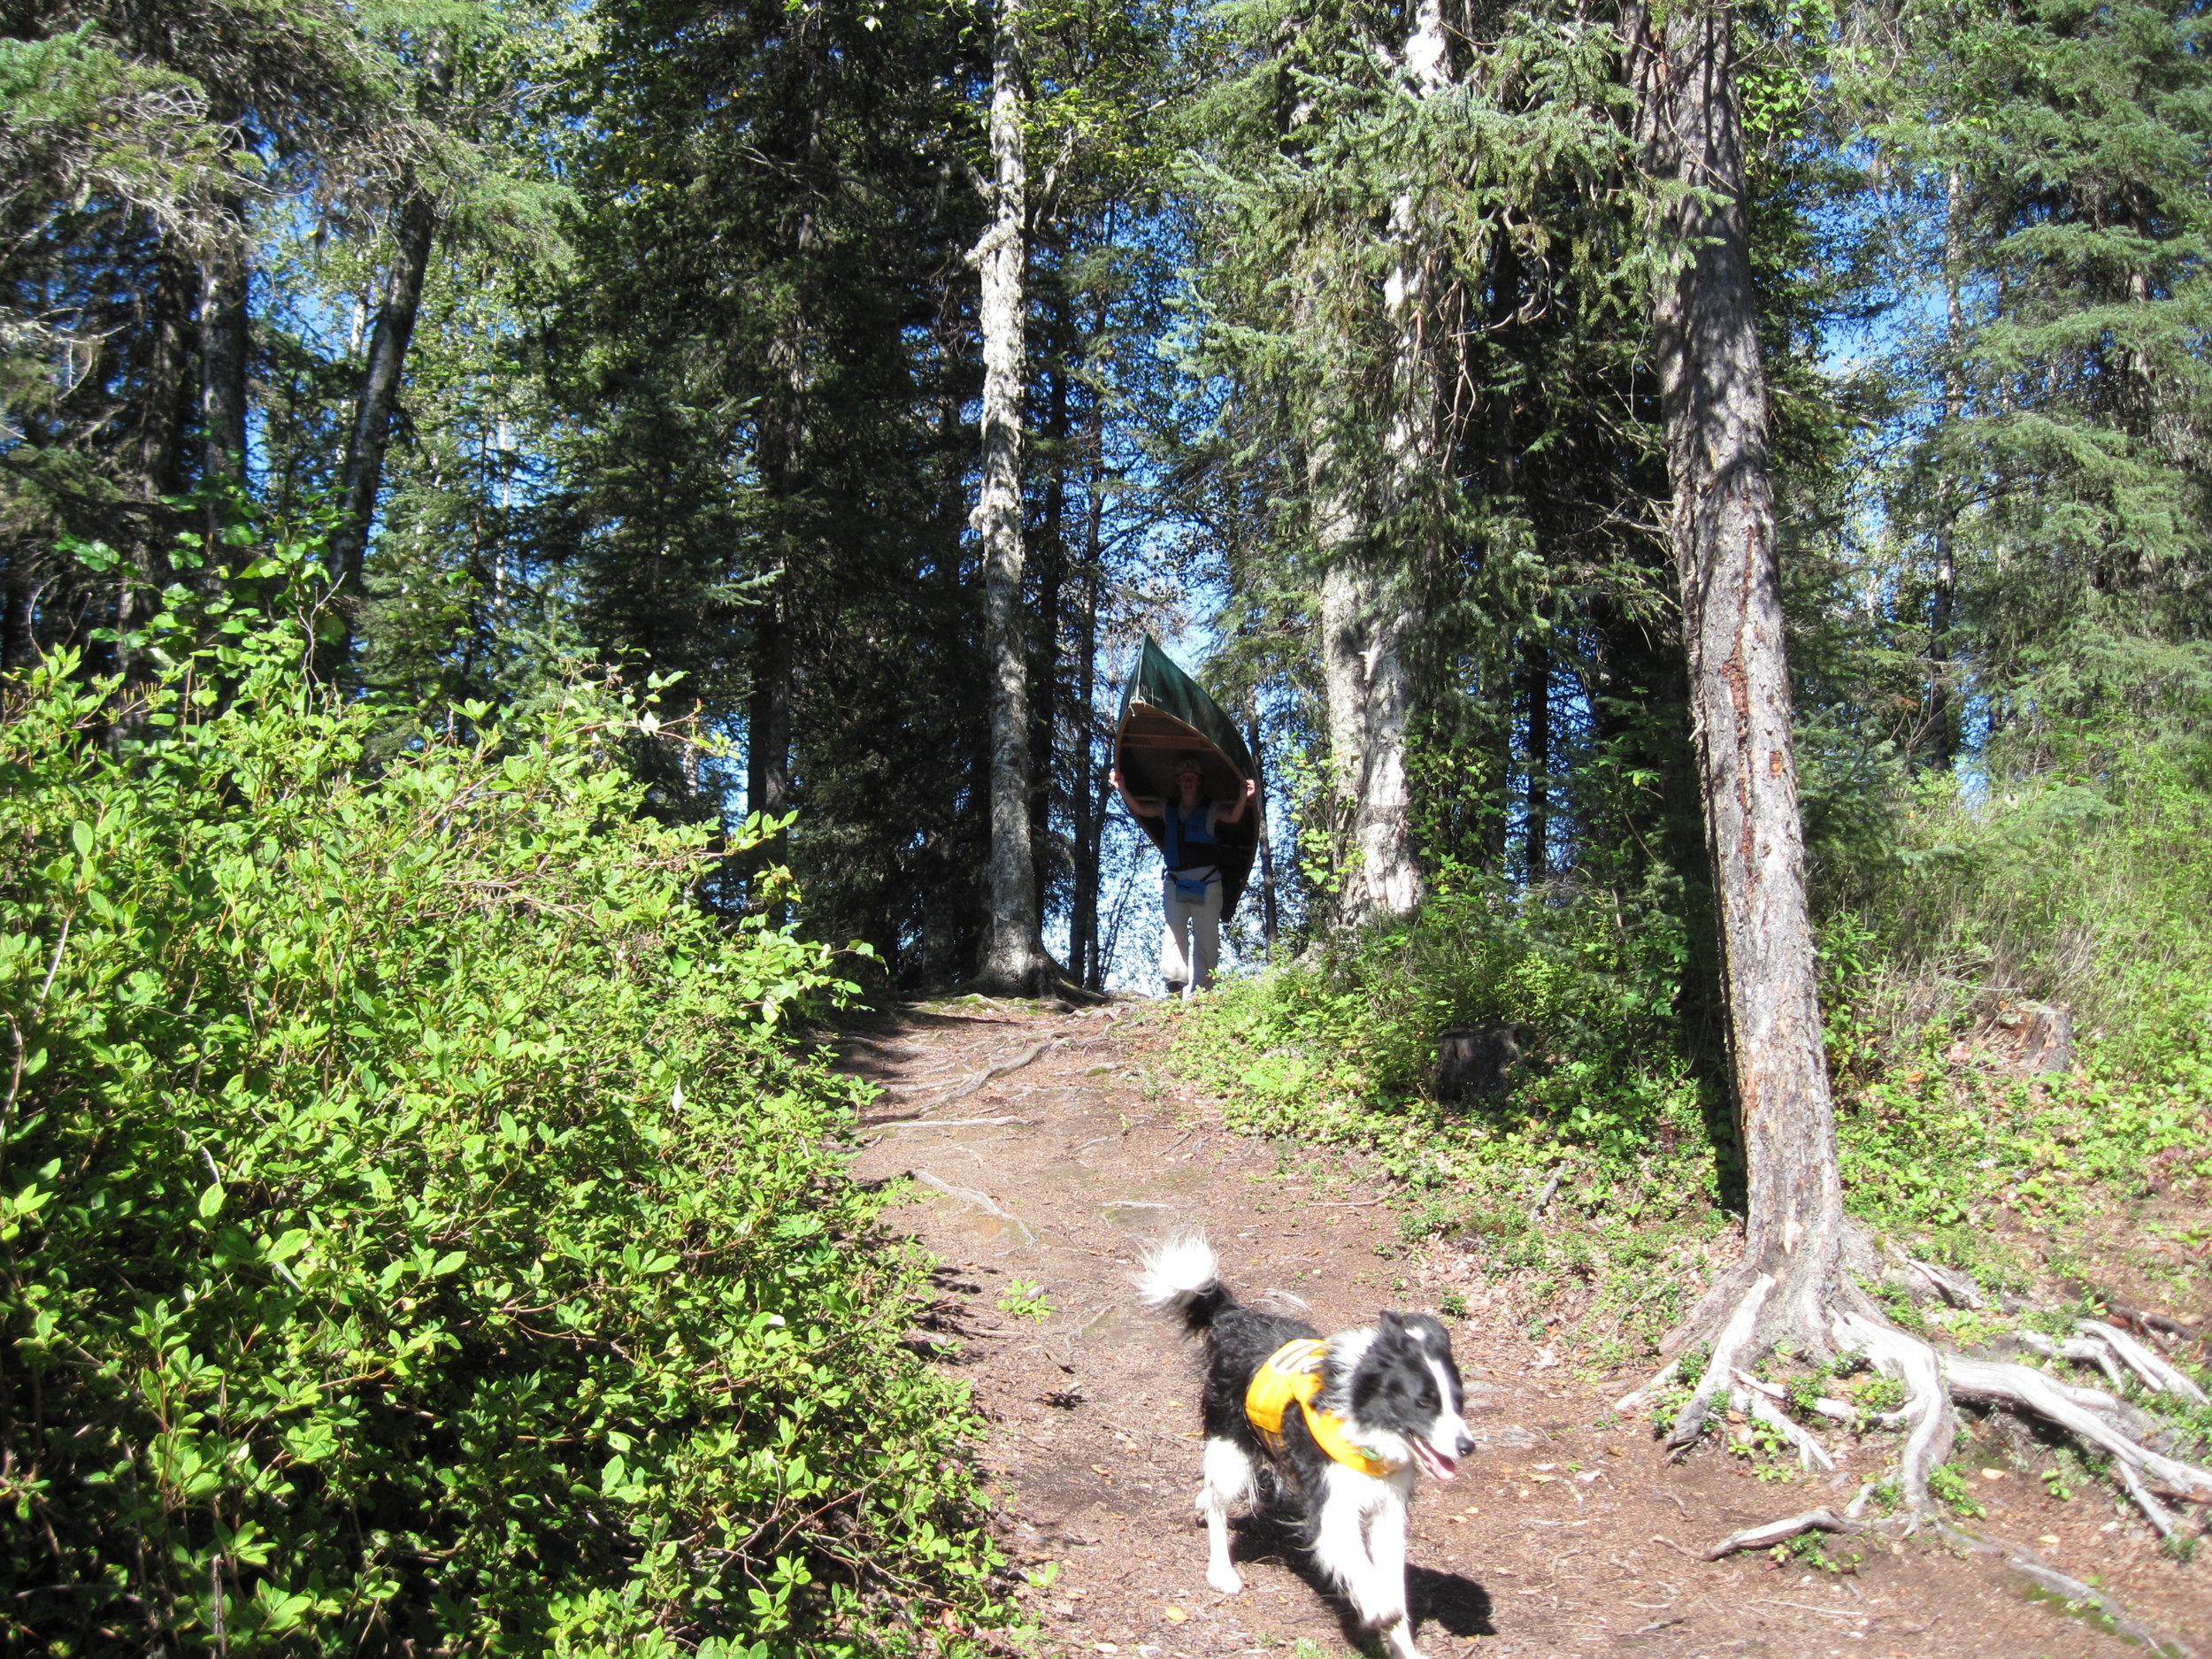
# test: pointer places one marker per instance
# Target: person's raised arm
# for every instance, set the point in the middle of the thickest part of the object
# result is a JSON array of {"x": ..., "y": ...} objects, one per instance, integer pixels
[
  {"x": 1140, "y": 805},
  {"x": 1235, "y": 814}
]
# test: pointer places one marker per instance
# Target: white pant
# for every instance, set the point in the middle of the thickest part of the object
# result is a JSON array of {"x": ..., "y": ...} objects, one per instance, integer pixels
[{"x": 1201, "y": 920}]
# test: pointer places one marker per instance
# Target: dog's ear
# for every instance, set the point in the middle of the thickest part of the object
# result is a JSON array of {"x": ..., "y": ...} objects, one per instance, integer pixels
[{"x": 1392, "y": 1325}]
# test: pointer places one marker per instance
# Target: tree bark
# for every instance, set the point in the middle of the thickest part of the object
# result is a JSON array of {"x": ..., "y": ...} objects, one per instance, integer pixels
[
  {"x": 162, "y": 405},
  {"x": 223, "y": 349},
  {"x": 1536, "y": 822},
  {"x": 1942, "y": 712},
  {"x": 1367, "y": 624},
  {"x": 1013, "y": 957},
  {"x": 1045, "y": 626},
  {"x": 379, "y": 399},
  {"x": 1713, "y": 397},
  {"x": 18, "y": 641},
  {"x": 1266, "y": 838},
  {"x": 164, "y": 418},
  {"x": 782, "y": 461},
  {"x": 956, "y": 852},
  {"x": 1368, "y": 611},
  {"x": 1083, "y": 963}
]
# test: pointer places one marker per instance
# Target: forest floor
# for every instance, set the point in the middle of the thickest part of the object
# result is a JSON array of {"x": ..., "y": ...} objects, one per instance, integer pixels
[{"x": 1567, "y": 1531}]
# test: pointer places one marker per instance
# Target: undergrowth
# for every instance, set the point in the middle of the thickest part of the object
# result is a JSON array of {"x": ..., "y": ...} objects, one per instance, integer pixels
[
  {"x": 418, "y": 1235},
  {"x": 2086, "y": 887}
]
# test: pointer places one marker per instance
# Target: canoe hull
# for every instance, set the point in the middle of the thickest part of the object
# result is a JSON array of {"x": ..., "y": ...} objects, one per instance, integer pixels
[{"x": 1164, "y": 718}]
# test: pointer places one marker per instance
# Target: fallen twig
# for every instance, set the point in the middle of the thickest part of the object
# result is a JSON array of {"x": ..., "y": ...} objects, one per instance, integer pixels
[
  {"x": 1777, "y": 1531},
  {"x": 975, "y": 1200},
  {"x": 1544, "y": 1197}
]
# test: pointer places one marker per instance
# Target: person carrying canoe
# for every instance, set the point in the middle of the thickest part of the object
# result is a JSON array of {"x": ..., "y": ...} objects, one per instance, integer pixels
[{"x": 1191, "y": 890}]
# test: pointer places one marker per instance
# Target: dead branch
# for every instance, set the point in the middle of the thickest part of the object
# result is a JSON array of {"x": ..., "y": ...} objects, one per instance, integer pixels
[
  {"x": 1778, "y": 1532},
  {"x": 2151, "y": 1367}
]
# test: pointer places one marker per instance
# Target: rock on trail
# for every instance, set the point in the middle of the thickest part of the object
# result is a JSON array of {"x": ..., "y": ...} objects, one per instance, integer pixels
[{"x": 1044, "y": 1147}]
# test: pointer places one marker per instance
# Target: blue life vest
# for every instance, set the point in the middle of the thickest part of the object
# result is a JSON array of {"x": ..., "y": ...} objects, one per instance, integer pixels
[{"x": 1192, "y": 828}]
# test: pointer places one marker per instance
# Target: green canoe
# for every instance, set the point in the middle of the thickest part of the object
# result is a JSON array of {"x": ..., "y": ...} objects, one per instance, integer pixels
[{"x": 1164, "y": 717}]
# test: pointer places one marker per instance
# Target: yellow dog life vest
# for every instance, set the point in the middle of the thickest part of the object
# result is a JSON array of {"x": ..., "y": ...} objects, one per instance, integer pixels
[{"x": 1292, "y": 1372}]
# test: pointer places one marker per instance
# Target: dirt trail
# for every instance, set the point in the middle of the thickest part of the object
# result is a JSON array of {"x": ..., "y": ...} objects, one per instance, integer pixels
[{"x": 1565, "y": 1532}]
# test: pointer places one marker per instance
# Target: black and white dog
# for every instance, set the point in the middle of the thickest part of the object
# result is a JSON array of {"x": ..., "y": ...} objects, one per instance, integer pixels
[{"x": 1350, "y": 1420}]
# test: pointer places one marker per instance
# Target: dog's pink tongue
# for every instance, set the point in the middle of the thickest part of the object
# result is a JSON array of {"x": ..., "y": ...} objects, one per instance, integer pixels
[{"x": 1442, "y": 1467}]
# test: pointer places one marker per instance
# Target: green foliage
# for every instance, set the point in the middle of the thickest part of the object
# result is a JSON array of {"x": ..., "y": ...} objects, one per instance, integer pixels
[
  {"x": 2076, "y": 877},
  {"x": 1337, "y": 1047},
  {"x": 1950, "y": 1486},
  {"x": 1340, "y": 1043},
  {"x": 1877, "y": 1395},
  {"x": 417, "y": 1230},
  {"x": 1025, "y": 1299}
]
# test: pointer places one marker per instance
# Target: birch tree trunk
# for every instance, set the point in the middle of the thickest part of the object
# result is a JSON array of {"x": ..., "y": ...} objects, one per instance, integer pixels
[
  {"x": 223, "y": 344},
  {"x": 1713, "y": 397},
  {"x": 1013, "y": 957},
  {"x": 1368, "y": 612},
  {"x": 1367, "y": 622}
]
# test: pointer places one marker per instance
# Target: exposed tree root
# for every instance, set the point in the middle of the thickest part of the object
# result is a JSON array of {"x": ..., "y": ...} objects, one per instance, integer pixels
[
  {"x": 1773, "y": 1532},
  {"x": 2146, "y": 1363},
  {"x": 2022, "y": 1561},
  {"x": 1734, "y": 1338},
  {"x": 2078, "y": 1348},
  {"x": 987, "y": 1075},
  {"x": 1927, "y": 1413},
  {"x": 1758, "y": 1399},
  {"x": 1932, "y": 1381},
  {"x": 2073, "y": 1590}
]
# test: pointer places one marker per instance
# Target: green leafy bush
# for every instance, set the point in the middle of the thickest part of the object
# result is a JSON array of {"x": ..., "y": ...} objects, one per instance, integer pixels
[
  {"x": 1323, "y": 1045},
  {"x": 1589, "y": 979},
  {"x": 418, "y": 1233},
  {"x": 2083, "y": 882}
]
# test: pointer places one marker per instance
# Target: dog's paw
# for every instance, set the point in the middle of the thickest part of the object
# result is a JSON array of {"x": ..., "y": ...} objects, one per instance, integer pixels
[{"x": 1223, "y": 1579}]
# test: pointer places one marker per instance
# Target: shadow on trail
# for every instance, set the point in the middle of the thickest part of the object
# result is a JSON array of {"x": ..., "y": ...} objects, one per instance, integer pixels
[{"x": 1457, "y": 1603}]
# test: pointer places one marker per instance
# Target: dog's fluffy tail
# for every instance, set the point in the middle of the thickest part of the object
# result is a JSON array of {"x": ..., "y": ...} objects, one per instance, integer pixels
[{"x": 1182, "y": 1278}]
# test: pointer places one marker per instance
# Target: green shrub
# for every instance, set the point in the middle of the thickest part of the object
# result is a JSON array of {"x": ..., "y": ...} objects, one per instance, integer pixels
[
  {"x": 417, "y": 1234},
  {"x": 2083, "y": 883},
  {"x": 1333, "y": 1045}
]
